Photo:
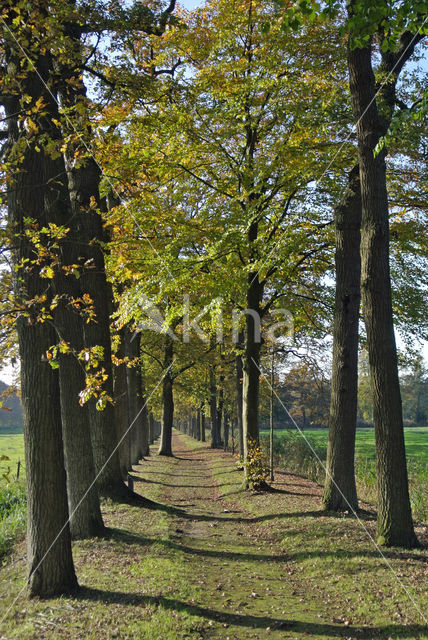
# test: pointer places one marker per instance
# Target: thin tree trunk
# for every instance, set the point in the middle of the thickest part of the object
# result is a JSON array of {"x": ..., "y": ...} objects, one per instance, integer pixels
[
  {"x": 133, "y": 377},
  {"x": 251, "y": 366},
  {"x": 239, "y": 377},
  {"x": 220, "y": 411},
  {"x": 225, "y": 430},
  {"x": 203, "y": 435},
  {"x": 340, "y": 492},
  {"x": 198, "y": 424},
  {"x": 271, "y": 407},
  {"x": 165, "y": 446},
  {"x": 145, "y": 427},
  {"x": 215, "y": 436},
  {"x": 121, "y": 409},
  {"x": 233, "y": 424},
  {"x": 151, "y": 428},
  {"x": 394, "y": 522}
]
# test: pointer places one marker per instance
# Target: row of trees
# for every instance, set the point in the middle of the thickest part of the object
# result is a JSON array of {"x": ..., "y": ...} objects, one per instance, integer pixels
[
  {"x": 198, "y": 182},
  {"x": 228, "y": 148},
  {"x": 62, "y": 300}
]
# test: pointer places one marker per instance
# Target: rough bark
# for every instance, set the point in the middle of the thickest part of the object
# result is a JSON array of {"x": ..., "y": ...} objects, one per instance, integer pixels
[
  {"x": 49, "y": 557},
  {"x": 394, "y": 522},
  {"x": 165, "y": 446},
  {"x": 84, "y": 183},
  {"x": 84, "y": 180},
  {"x": 84, "y": 507},
  {"x": 340, "y": 492}
]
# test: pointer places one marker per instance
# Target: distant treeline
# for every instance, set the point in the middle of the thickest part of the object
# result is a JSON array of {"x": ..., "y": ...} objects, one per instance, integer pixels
[{"x": 305, "y": 393}]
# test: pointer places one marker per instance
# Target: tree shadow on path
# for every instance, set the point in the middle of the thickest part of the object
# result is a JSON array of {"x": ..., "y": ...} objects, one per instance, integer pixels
[
  {"x": 122, "y": 535},
  {"x": 413, "y": 631}
]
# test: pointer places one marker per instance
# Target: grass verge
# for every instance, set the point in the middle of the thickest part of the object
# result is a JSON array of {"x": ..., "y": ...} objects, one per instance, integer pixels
[{"x": 292, "y": 452}]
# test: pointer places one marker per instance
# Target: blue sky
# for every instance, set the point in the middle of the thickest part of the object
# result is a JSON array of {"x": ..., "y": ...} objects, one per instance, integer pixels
[{"x": 190, "y": 4}]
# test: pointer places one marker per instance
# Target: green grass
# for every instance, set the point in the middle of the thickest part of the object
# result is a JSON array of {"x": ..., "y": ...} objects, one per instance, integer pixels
[
  {"x": 293, "y": 452},
  {"x": 12, "y": 446},
  {"x": 416, "y": 441},
  {"x": 12, "y": 515},
  {"x": 222, "y": 563},
  {"x": 12, "y": 492}
]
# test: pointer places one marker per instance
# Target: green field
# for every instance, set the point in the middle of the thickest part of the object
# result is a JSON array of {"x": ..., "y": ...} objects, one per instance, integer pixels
[
  {"x": 291, "y": 451},
  {"x": 416, "y": 441},
  {"x": 12, "y": 446}
]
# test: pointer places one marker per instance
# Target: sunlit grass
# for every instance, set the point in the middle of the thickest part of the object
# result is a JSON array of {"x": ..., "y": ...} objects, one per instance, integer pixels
[{"x": 301, "y": 453}]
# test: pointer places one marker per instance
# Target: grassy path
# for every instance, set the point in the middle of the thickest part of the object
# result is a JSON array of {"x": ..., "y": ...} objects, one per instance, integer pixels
[{"x": 219, "y": 563}]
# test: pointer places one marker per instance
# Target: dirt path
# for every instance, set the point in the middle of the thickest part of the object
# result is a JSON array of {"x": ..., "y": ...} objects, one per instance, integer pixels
[
  {"x": 238, "y": 571},
  {"x": 214, "y": 562},
  {"x": 237, "y": 547}
]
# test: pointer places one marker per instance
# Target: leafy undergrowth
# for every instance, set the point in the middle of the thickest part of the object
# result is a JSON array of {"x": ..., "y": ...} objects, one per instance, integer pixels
[
  {"x": 223, "y": 563},
  {"x": 13, "y": 504}
]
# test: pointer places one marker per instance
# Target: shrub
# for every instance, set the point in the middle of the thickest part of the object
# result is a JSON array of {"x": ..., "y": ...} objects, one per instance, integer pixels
[{"x": 256, "y": 468}]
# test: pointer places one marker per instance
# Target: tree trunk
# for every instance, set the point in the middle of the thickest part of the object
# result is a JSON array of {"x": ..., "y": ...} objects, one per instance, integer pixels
[
  {"x": 215, "y": 435},
  {"x": 84, "y": 180},
  {"x": 151, "y": 428},
  {"x": 220, "y": 410},
  {"x": 84, "y": 507},
  {"x": 225, "y": 430},
  {"x": 251, "y": 366},
  {"x": 121, "y": 409},
  {"x": 83, "y": 501},
  {"x": 49, "y": 557},
  {"x": 145, "y": 427},
  {"x": 340, "y": 492},
  {"x": 203, "y": 435},
  {"x": 239, "y": 376},
  {"x": 165, "y": 446},
  {"x": 394, "y": 523},
  {"x": 271, "y": 417},
  {"x": 198, "y": 424},
  {"x": 133, "y": 378}
]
